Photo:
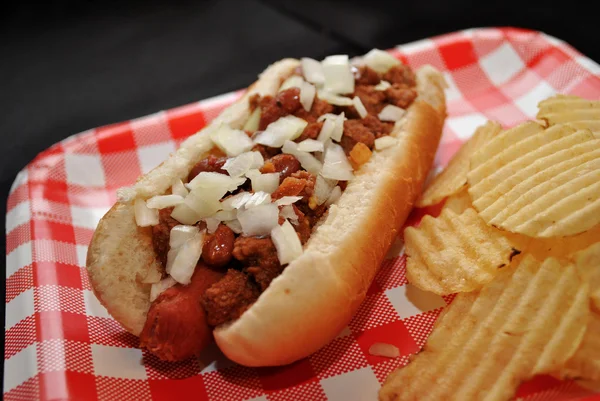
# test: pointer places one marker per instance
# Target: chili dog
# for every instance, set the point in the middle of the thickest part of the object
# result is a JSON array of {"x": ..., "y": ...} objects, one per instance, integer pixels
[{"x": 264, "y": 231}]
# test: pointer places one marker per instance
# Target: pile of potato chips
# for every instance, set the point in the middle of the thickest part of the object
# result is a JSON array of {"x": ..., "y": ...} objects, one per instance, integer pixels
[{"x": 518, "y": 241}]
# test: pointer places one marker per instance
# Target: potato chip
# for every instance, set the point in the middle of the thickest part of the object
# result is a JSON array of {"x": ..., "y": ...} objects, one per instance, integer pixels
[
  {"x": 459, "y": 202},
  {"x": 529, "y": 320},
  {"x": 455, "y": 252},
  {"x": 541, "y": 183},
  {"x": 589, "y": 261},
  {"x": 454, "y": 176},
  {"x": 567, "y": 109}
]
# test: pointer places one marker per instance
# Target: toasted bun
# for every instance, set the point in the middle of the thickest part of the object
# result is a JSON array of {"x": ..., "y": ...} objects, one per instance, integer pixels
[{"x": 317, "y": 294}]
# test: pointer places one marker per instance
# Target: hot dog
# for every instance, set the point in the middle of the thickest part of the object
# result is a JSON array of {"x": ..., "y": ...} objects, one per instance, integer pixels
[{"x": 264, "y": 230}]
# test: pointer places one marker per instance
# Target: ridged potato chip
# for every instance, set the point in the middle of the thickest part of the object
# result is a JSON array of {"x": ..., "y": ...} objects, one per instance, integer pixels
[
  {"x": 459, "y": 202},
  {"x": 454, "y": 175},
  {"x": 569, "y": 109},
  {"x": 529, "y": 320},
  {"x": 455, "y": 252},
  {"x": 541, "y": 183}
]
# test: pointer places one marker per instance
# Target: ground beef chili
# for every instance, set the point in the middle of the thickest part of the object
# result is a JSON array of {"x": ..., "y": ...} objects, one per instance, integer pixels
[{"x": 249, "y": 264}]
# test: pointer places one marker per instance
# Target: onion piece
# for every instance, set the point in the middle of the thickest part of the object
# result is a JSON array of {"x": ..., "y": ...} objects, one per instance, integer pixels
[
  {"x": 380, "y": 61},
  {"x": 204, "y": 202},
  {"x": 160, "y": 287},
  {"x": 144, "y": 216},
  {"x": 253, "y": 121},
  {"x": 334, "y": 99},
  {"x": 235, "y": 226},
  {"x": 225, "y": 215},
  {"x": 284, "y": 129},
  {"x": 382, "y": 349},
  {"x": 336, "y": 126},
  {"x": 334, "y": 196},
  {"x": 385, "y": 142},
  {"x": 170, "y": 259},
  {"x": 254, "y": 172},
  {"x": 179, "y": 189},
  {"x": 326, "y": 129},
  {"x": 257, "y": 199},
  {"x": 259, "y": 220},
  {"x": 287, "y": 212},
  {"x": 152, "y": 276},
  {"x": 186, "y": 259},
  {"x": 239, "y": 165},
  {"x": 360, "y": 107},
  {"x": 185, "y": 215},
  {"x": 216, "y": 183},
  {"x": 286, "y": 242},
  {"x": 307, "y": 161},
  {"x": 236, "y": 201},
  {"x": 323, "y": 188},
  {"x": 287, "y": 200},
  {"x": 336, "y": 165},
  {"x": 231, "y": 141},
  {"x": 212, "y": 224},
  {"x": 312, "y": 71},
  {"x": 311, "y": 145},
  {"x": 265, "y": 182},
  {"x": 338, "y": 75},
  {"x": 291, "y": 82},
  {"x": 307, "y": 95},
  {"x": 382, "y": 85},
  {"x": 163, "y": 201},
  {"x": 180, "y": 234},
  {"x": 391, "y": 113}
]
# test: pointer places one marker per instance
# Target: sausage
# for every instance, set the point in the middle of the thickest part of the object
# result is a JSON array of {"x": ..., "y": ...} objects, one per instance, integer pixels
[
  {"x": 176, "y": 327},
  {"x": 218, "y": 248},
  {"x": 210, "y": 164}
]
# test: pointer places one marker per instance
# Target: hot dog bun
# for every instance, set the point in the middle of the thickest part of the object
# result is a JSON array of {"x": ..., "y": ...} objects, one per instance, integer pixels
[{"x": 317, "y": 294}]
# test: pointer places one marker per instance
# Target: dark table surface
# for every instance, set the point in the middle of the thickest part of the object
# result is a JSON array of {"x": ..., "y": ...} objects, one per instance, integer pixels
[{"x": 68, "y": 66}]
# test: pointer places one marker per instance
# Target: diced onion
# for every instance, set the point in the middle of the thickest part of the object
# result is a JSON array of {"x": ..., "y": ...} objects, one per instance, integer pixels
[
  {"x": 323, "y": 188},
  {"x": 163, "y": 201},
  {"x": 236, "y": 201},
  {"x": 336, "y": 166},
  {"x": 144, "y": 216},
  {"x": 265, "y": 182},
  {"x": 308, "y": 161},
  {"x": 307, "y": 95},
  {"x": 179, "y": 189},
  {"x": 291, "y": 82},
  {"x": 186, "y": 259},
  {"x": 313, "y": 71},
  {"x": 360, "y": 108},
  {"x": 386, "y": 350},
  {"x": 287, "y": 212},
  {"x": 253, "y": 121},
  {"x": 170, "y": 259},
  {"x": 391, "y": 113},
  {"x": 180, "y": 234},
  {"x": 334, "y": 99},
  {"x": 338, "y": 75},
  {"x": 185, "y": 215},
  {"x": 385, "y": 142},
  {"x": 380, "y": 60},
  {"x": 257, "y": 199},
  {"x": 160, "y": 287},
  {"x": 253, "y": 173},
  {"x": 235, "y": 226},
  {"x": 153, "y": 276},
  {"x": 310, "y": 145},
  {"x": 286, "y": 242},
  {"x": 239, "y": 165},
  {"x": 284, "y": 129},
  {"x": 225, "y": 215},
  {"x": 326, "y": 129},
  {"x": 382, "y": 85},
  {"x": 287, "y": 200},
  {"x": 338, "y": 127},
  {"x": 203, "y": 202},
  {"x": 212, "y": 224},
  {"x": 334, "y": 196},
  {"x": 216, "y": 183},
  {"x": 231, "y": 141},
  {"x": 259, "y": 220}
]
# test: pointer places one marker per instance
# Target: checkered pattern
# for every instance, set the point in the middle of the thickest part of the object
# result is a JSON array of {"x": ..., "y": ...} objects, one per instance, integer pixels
[{"x": 62, "y": 344}]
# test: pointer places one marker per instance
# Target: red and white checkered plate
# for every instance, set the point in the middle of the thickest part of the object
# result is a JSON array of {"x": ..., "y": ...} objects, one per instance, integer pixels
[{"x": 62, "y": 344}]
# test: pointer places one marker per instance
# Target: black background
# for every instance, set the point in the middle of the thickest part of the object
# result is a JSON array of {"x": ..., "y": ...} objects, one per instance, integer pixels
[{"x": 68, "y": 66}]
